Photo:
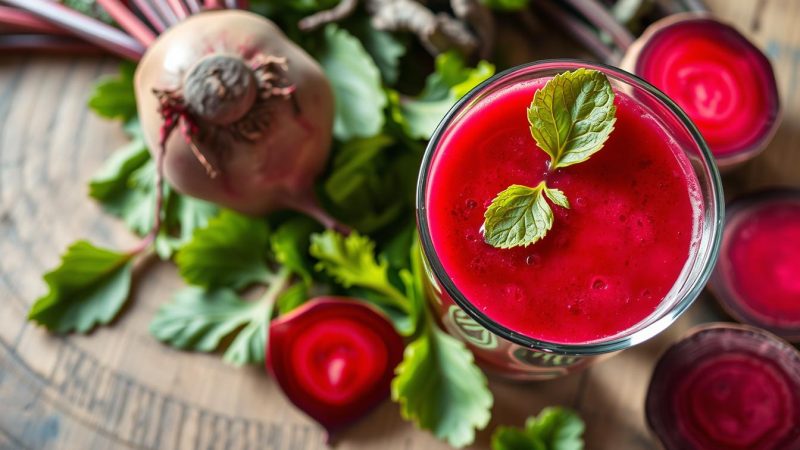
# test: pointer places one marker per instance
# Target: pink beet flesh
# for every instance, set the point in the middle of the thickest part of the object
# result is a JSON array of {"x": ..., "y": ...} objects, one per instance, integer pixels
[
  {"x": 724, "y": 83},
  {"x": 758, "y": 275},
  {"x": 334, "y": 359},
  {"x": 727, "y": 387}
]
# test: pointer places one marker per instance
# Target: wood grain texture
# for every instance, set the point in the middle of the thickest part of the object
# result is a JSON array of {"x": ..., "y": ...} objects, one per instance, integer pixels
[{"x": 119, "y": 388}]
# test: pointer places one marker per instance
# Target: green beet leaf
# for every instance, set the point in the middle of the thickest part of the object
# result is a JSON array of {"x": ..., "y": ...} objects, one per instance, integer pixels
[
  {"x": 420, "y": 116},
  {"x": 231, "y": 251},
  {"x": 572, "y": 116},
  {"x": 439, "y": 387},
  {"x": 88, "y": 288},
  {"x": 384, "y": 47},
  {"x": 351, "y": 262},
  {"x": 290, "y": 243},
  {"x": 356, "y": 82},
  {"x": 113, "y": 97},
  {"x": 199, "y": 320},
  {"x": 506, "y": 5},
  {"x": 555, "y": 428}
]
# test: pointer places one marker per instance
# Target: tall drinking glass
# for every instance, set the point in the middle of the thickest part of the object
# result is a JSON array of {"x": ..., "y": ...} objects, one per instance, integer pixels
[{"x": 500, "y": 337}]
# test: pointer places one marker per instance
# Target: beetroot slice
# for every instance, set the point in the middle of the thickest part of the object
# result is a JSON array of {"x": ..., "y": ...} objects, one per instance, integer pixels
[
  {"x": 726, "y": 387},
  {"x": 334, "y": 358},
  {"x": 723, "y": 82},
  {"x": 757, "y": 278}
]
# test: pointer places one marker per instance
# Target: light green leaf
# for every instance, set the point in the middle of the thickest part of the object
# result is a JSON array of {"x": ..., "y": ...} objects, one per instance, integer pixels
[
  {"x": 557, "y": 196},
  {"x": 291, "y": 298},
  {"x": 441, "y": 389},
  {"x": 199, "y": 320},
  {"x": 572, "y": 116},
  {"x": 290, "y": 243},
  {"x": 351, "y": 262},
  {"x": 113, "y": 96},
  {"x": 88, "y": 288},
  {"x": 555, "y": 428},
  {"x": 518, "y": 216},
  {"x": 111, "y": 180},
  {"x": 231, "y": 251},
  {"x": 356, "y": 82},
  {"x": 451, "y": 80}
]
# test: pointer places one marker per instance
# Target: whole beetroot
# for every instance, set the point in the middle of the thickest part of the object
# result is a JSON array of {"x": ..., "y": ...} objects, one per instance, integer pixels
[{"x": 253, "y": 110}]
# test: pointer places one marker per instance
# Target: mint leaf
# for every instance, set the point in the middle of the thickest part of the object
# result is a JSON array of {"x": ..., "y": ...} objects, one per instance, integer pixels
[
  {"x": 520, "y": 215},
  {"x": 113, "y": 96},
  {"x": 420, "y": 116},
  {"x": 351, "y": 262},
  {"x": 356, "y": 83},
  {"x": 88, "y": 288},
  {"x": 231, "y": 251},
  {"x": 199, "y": 320},
  {"x": 555, "y": 428},
  {"x": 439, "y": 387},
  {"x": 572, "y": 116}
]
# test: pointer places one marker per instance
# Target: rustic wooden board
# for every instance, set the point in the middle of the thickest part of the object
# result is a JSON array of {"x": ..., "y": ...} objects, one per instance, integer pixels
[{"x": 119, "y": 388}]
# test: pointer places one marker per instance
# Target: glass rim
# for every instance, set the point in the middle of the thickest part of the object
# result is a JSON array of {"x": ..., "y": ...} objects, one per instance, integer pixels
[{"x": 615, "y": 343}]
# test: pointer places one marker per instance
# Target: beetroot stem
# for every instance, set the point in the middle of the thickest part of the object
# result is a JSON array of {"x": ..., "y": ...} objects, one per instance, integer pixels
[
  {"x": 46, "y": 43},
  {"x": 178, "y": 8},
  {"x": 232, "y": 4},
  {"x": 193, "y": 5},
  {"x": 577, "y": 29},
  {"x": 150, "y": 14},
  {"x": 695, "y": 5},
  {"x": 598, "y": 15},
  {"x": 307, "y": 204},
  {"x": 84, "y": 26},
  {"x": 166, "y": 12},
  {"x": 23, "y": 21},
  {"x": 214, "y": 4},
  {"x": 128, "y": 21}
]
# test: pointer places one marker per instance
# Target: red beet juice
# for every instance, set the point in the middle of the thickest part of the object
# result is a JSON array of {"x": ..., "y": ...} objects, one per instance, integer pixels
[{"x": 609, "y": 260}]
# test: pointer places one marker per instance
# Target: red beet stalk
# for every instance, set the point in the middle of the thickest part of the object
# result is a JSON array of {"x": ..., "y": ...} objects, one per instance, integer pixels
[
  {"x": 128, "y": 21},
  {"x": 19, "y": 43},
  {"x": 90, "y": 29}
]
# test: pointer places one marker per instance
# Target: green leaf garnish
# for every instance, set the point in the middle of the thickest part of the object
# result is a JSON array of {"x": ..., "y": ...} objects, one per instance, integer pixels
[
  {"x": 439, "y": 387},
  {"x": 88, "y": 288},
  {"x": 356, "y": 83},
  {"x": 231, "y": 251},
  {"x": 572, "y": 116},
  {"x": 555, "y": 428},
  {"x": 520, "y": 215}
]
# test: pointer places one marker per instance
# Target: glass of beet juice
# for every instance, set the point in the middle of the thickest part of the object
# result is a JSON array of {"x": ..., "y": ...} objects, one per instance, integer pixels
[{"x": 630, "y": 254}]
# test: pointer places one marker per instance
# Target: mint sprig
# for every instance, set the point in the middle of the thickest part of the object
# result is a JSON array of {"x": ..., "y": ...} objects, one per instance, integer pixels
[{"x": 570, "y": 119}]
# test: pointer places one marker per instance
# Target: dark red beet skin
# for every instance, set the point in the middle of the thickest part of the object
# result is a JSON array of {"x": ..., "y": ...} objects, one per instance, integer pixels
[
  {"x": 726, "y": 387},
  {"x": 724, "y": 83},
  {"x": 757, "y": 278},
  {"x": 334, "y": 358}
]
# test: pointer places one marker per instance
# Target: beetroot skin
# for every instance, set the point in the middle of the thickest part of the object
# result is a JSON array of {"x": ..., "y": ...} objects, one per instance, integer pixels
[
  {"x": 252, "y": 112},
  {"x": 757, "y": 278},
  {"x": 726, "y": 387},
  {"x": 334, "y": 358},
  {"x": 724, "y": 83}
]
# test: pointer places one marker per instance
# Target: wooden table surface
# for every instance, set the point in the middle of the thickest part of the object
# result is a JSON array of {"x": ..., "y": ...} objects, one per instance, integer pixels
[{"x": 120, "y": 388}]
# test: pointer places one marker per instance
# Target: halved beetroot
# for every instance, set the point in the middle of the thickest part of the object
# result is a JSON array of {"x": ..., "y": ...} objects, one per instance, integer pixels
[
  {"x": 726, "y": 387},
  {"x": 757, "y": 278},
  {"x": 334, "y": 358},
  {"x": 723, "y": 82}
]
